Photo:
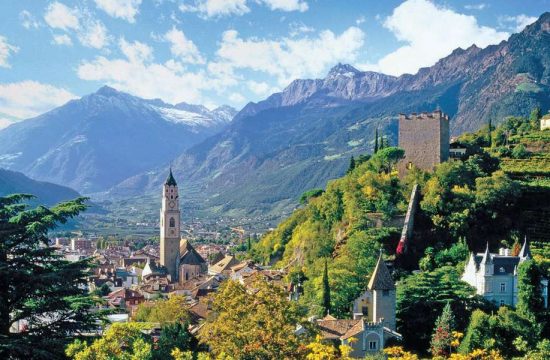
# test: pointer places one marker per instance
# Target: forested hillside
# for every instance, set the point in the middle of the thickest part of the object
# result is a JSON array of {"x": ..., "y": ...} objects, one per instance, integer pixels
[{"x": 465, "y": 204}]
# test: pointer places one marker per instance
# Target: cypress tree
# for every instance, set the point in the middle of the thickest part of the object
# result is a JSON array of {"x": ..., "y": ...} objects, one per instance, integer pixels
[
  {"x": 351, "y": 165},
  {"x": 248, "y": 244},
  {"x": 530, "y": 303},
  {"x": 490, "y": 133},
  {"x": 326, "y": 291},
  {"x": 376, "y": 141}
]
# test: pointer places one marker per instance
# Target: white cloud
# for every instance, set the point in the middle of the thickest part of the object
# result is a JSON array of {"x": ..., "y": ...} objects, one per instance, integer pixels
[
  {"x": 291, "y": 58},
  {"x": 516, "y": 23},
  {"x": 297, "y": 28},
  {"x": 217, "y": 8},
  {"x": 479, "y": 6},
  {"x": 136, "y": 73},
  {"x": 5, "y": 122},
  {"x": 27, "y": 99},
  {"x": 60, "y": 16},
  {"x": 182, "y": 47},
  {"x": 236, "y": 98},
  {"x": 123, "y": 9},
  {"x": 360, "y": 20},
  {"x": 261, "y": 88},
  {"x": 28, "y": 20},
  {"x": 94, "y": 34},
  {"x": 286, "y": 5},
  {"x": 89, "y": 31},
  {"x": 62, "y": 39},
  {"x": 425, "y": 29},
  {"x": 6, "y": 50}
]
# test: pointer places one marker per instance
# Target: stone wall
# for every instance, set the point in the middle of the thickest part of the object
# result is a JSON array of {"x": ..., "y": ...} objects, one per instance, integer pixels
[{"x": 425, "y": 139}]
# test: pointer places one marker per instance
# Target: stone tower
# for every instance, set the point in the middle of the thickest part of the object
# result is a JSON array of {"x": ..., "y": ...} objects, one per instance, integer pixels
[
  {"x": 170, "y": 227},
  {"x": 425, "y": 139},
  {"x": 383, "y": 295}
]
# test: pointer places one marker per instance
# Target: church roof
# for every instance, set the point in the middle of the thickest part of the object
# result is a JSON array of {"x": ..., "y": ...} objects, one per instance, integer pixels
[
  {"x": 381, "y": 278},
  {"x": 224, "y": 264},
  {"x": 503, "y": 265},
  {"x": 170, "y": 179},
  {"x": 525, "y": 252},
  {"x": 188, "y": 254}
]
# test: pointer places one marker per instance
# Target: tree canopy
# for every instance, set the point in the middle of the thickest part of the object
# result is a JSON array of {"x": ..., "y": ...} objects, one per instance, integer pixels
[{"x": 40, "y": 292}]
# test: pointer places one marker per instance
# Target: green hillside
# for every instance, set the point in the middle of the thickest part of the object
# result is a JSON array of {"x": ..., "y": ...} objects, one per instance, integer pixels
[{"x": 498, "y": 193}]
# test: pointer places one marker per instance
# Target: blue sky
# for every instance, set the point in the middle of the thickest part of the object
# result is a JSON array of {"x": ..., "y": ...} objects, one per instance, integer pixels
[{"x": 216, "y": 52}]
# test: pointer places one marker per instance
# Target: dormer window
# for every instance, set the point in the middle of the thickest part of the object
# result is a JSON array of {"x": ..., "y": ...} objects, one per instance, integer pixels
[{"x": 501, "y": 269}]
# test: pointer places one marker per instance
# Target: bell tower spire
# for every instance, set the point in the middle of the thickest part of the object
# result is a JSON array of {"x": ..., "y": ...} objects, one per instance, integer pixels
[{"x": 170, "y": 218}]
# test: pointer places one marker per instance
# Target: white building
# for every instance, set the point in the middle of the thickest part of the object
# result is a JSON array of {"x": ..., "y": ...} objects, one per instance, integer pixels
[{"x": 495, "y": 276}]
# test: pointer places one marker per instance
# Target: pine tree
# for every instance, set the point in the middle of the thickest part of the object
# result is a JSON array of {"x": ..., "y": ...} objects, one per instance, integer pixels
[
  {"x": 326, "y": 291},
  {"x": 39, "y": 289},
  {"x": 443, "y": 332},
  {"x": 351, "y": 165},
  {"x": 376, "y": 141}
]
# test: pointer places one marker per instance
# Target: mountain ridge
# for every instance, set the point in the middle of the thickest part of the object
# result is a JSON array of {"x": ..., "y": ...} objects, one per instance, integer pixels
[
  {"x": 299, "y": 138},
  {"x": 96, "y": 141}
]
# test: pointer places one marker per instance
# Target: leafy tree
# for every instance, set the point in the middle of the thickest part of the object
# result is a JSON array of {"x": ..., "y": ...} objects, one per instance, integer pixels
[
  {"x": 172, "y": 336},
  {"x": 124, "y": 341},
  {"x": 534, "y": 118},
  {"x": 317, "y": 350},
  {"x": 326, "y": 291},
  {"x": 39, "y": 289},
  {"x": 477, "y": 333},
  {"x": 256, "y": 324},
  {"x": 173, "y": 309},
  {"x": 310, "y": 194},
  {"x": 386, "y": 158},
  {"x": 530, "y": 303},
  {"x": 442, "y": 336},
  {"x": 520, "y": 152},
  {"x": 421, "y": 298}
]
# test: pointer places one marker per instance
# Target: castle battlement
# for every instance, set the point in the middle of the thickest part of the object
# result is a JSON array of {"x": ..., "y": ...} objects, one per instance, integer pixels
[{"x": 435, "y": 115}]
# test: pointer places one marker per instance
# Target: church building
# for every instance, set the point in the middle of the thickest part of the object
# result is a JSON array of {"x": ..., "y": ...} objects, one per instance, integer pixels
[{"x": 177, "y": 255}]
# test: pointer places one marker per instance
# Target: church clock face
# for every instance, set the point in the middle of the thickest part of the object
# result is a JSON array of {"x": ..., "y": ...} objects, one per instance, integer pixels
[
  {"x": 171, "y": 204},
  {"x": 172, "y": 232}
]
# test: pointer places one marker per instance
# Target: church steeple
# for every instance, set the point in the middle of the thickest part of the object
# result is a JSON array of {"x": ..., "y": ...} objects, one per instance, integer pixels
[
  {"x": 525, "y": 252},
  {"x": 170, "y": 232},
  {"x": 170, "y": 181}
]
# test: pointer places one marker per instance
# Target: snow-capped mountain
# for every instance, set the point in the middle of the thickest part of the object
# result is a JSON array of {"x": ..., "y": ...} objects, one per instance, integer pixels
[{"x": 94, "y": 142}]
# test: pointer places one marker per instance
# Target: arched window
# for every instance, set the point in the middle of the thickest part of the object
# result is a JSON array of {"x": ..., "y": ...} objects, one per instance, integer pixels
[{"x": 172, "y": 222}]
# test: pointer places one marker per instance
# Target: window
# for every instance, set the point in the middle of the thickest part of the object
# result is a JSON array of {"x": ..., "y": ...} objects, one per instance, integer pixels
[
  {"x": 172, "y": 222},
  {"x": 501, "y": 270},
  {"x": 501, "y": 302},
  {"x": 502, "y": 287},
  {"x": 372, "y": 345},
  {"x": 409, "y": 165}
]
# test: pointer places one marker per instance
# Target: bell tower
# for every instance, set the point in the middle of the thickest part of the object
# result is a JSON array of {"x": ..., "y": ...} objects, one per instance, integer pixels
[{"x": 170, "y": 226}]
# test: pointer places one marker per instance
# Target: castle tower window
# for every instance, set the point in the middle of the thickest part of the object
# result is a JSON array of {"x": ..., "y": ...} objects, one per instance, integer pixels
[
  {"x": 373, "y": 345},
  {"x": 502, "y": 287},
  {"x": 172, "y": 222}
]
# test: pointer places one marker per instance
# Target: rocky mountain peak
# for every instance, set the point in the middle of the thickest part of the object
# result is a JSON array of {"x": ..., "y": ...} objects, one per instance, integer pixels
[{"x": 343, "y": 70}]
